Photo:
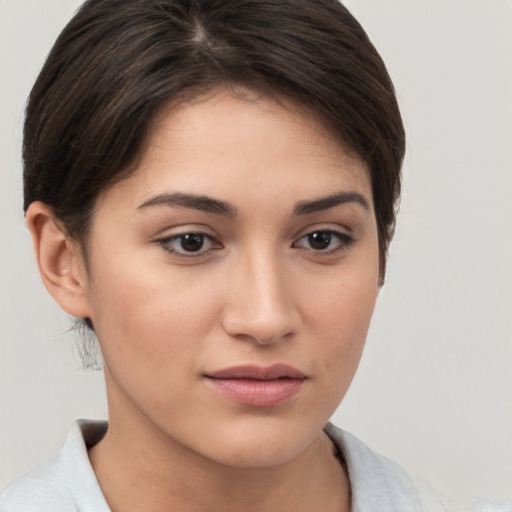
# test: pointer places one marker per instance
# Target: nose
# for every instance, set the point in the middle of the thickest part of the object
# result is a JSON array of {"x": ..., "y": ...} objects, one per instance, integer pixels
[{"x": 260, "y": 305}]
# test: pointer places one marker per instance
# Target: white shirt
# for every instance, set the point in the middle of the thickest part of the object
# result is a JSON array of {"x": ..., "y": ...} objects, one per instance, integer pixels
[{"x": 67, "y": 483}]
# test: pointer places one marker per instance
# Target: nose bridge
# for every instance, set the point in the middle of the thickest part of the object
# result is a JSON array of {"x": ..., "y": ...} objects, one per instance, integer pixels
[{"x": 260, "y": 305}]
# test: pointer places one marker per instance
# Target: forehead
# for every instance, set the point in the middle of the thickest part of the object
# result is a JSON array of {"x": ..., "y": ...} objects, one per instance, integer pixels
[{"x": 236, "y": 146}]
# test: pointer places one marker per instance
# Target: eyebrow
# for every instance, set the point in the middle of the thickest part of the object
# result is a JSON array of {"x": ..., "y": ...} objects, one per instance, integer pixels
[
  {"x": 196, "y": 202},
  {"x": 324, "y": 203},
  {"x": 210, "y": 205}
]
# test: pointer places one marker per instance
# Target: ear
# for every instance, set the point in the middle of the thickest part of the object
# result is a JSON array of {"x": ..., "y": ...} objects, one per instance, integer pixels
[{"x": 59, "y": 260}]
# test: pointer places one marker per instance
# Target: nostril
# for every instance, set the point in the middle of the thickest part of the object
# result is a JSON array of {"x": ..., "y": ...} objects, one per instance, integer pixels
[{"x": 263, "y": 330}]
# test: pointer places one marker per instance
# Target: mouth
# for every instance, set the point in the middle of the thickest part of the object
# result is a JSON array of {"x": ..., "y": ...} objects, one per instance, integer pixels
[{"x": 257, "y": 386}]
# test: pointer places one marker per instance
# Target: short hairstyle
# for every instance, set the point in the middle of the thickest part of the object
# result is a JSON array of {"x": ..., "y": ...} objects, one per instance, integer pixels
[{"x": 118, "y": 62}]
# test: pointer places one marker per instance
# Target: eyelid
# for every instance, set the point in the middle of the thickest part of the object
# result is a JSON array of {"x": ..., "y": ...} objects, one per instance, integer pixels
[{"x": 184, "y": 228}]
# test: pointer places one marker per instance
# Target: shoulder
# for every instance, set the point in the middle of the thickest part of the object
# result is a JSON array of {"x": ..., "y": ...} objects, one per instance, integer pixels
[
  {"x": 42, "y": 489},
  {"x": 64, "y": 483},
  {"x": 377, "y": 483}
]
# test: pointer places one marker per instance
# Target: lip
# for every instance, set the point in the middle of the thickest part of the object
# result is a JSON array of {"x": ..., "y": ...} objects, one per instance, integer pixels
[{"x": 258, "y": 386}]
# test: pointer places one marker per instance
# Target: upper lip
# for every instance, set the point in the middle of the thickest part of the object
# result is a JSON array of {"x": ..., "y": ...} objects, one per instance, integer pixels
[{"x": 256, "y": 372}]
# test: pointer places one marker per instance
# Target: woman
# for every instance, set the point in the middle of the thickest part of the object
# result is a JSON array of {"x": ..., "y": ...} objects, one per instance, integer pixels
[{"x": 211, "y": 187}]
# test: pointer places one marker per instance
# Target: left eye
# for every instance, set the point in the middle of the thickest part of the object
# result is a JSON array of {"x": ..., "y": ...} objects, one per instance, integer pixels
[
  {"x": 188, "y": 243},
  {"x": 325, "y": 240}
]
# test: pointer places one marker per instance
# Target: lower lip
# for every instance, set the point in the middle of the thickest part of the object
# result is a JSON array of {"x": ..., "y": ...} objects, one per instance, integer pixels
[{"x": 258, "y": 393}]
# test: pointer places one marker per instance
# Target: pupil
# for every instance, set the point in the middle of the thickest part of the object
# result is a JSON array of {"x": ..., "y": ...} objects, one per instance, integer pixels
[
  {"x": 192, "y": 242},
  {"x": 319, "y": 240}
]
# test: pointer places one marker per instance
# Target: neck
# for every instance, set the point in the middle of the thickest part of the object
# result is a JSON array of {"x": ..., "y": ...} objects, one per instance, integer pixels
[{"x": 141, "y": 469}]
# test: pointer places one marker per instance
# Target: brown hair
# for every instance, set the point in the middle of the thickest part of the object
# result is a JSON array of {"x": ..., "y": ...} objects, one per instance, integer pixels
[{"x": 118, "y": 61}]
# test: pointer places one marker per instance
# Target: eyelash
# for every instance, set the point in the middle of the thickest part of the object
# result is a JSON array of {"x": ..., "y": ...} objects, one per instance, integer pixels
[{"x": 344, "y": 241}]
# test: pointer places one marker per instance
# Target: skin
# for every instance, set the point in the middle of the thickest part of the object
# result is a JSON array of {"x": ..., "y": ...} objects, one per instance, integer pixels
[{"x": 257, "y": 292}]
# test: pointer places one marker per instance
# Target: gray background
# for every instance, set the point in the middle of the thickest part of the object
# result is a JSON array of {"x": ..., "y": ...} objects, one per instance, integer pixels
[{"x": 434, "y": 390}]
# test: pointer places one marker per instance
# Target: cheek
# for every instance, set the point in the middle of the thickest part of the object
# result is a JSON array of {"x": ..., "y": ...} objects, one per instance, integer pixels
[
  {"x": 149, "y": 313},
  {"x": 338, "y": 312},
  {"x": 342, "y": 303},
  {"x": 152, "y": 326}
]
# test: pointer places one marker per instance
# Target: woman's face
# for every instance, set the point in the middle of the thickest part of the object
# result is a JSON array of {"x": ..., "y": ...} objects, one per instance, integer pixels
[{"x": 231, "y": 281}]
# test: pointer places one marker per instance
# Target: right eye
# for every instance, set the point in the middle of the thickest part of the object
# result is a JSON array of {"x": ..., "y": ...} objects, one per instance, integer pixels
[{"x": 188, "y": 244}]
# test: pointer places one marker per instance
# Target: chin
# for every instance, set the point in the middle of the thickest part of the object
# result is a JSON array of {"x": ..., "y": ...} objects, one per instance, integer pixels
[
  {"x": 254, "y": 456},
  {"x": 262, "y": 444}
]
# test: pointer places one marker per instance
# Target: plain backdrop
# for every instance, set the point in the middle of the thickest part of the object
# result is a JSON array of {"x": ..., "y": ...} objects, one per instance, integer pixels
[{"x": 434, "y": 389}]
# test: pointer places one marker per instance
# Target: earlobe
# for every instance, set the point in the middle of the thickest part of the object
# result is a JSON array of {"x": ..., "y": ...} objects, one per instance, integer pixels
[{"x": 59, "y": 261}]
